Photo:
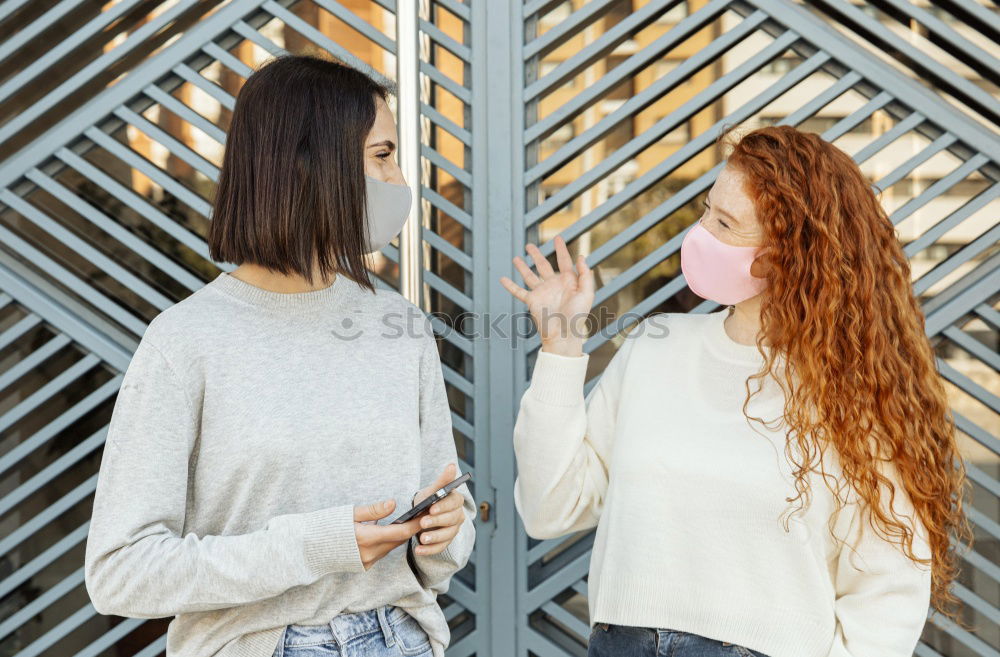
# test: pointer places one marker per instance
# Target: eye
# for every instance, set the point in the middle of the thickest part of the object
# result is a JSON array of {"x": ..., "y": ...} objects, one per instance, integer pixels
[
  {"x": 724, "y": 224},
  {"x": 384, "y": 155}
]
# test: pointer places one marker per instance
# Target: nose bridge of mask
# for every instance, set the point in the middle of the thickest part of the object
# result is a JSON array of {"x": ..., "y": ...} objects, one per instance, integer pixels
[{"x": 387, "y": 207}]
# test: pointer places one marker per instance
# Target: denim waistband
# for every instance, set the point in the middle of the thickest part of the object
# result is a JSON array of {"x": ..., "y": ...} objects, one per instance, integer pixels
[{"x": 342, "y": 628}]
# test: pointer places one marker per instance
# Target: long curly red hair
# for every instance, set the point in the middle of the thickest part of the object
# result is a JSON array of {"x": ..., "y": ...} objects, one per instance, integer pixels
[{"x": 858, "y": 370}]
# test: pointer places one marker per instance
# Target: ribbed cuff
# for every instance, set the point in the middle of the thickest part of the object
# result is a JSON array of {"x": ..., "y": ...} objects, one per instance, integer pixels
[
  {"x": 330, "y": 542},
  {"x": 558, "y": 379}
]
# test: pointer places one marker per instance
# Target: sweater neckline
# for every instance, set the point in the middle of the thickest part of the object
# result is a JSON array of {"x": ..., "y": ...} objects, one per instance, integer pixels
[
  {"x": 724, "y": 346},
  {"x": 292, "y": 302}
]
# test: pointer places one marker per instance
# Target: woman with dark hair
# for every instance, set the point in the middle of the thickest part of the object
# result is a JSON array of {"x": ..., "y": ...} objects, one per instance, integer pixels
[
  {"x": 271, "y": 425},
  {"x": 694, "y": 555}
]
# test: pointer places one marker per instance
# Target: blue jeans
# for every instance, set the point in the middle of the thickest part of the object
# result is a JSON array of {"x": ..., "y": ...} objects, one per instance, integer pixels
[
  {"x": 608, "y": 640},
  {"x": 384, "y": 632}
]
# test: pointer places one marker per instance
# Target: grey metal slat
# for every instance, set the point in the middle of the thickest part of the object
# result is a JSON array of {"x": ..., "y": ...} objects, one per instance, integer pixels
[
  {"x": 907, "y": 90},
  {"x": 177, "y": 148},
  {"x": 443, "y": 81},
  {"x": 456, "y": 8},
  {"x": 136, "y": 202},
  {"x": 660, "y": 87},
  {"x": 63, "y": 320},
  {"x": 577, "y": 21},
  {"x": 441, "y": 162},
  {"x": 959, "y": 86},
  {"x": 441, "y": 39},
  {"x": 19, "y": 328},
  {"x": 114, "y": 229},
  {"x": 23, "y": 366},
  {"x": 227, "y": 59},
  {"x": 172, "y": 103},
  {"x": 66, "y": 237},
  {"x": 968, "y": 386},
  {"x": 36, "y": 27},
  {"x": 462, "y": 259},
  {"x": 92, "y": 27},
  {"x": 73, "y": 282},
  {"x": 252, "y": 35},
  {"x": 355, "y": 22},
  {"x": 31, "y": 526},
  {"x": 323, "y": 41},
  {"x": 88, "y": 72},
  {"x": 957, "y": 45},
  {"x": 447, "y": 207},
  {"x": 150, "y": 170},
  {"x": 446, "y": 124},
  {"x": 907, "y": 167},
  {"x": 65, "y": 420},
  {"x": 611, "y": 39},
  {"x": 37, "y": 564},
  {"x": 938, "y": 188},
  {"x": 207, "y": 86},
  {"x": 30, "y": 403},
  {"x": 684, "y": 29},
  {"x": 48, "y": 474}
]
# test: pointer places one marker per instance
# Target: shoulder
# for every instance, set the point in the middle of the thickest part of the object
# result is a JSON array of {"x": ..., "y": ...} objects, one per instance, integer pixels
[
  {"x": 185, "y": 321},
  {"x": 394, "y": 316}
]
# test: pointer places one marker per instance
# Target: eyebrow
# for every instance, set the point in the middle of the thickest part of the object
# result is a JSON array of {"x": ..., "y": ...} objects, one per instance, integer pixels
[{"x": 388, "y": 143}]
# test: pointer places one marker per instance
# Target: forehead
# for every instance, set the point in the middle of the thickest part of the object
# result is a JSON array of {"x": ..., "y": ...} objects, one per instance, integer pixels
[
  {"x": 728, "y": 195},
  {"x": 385, "y": 125}
]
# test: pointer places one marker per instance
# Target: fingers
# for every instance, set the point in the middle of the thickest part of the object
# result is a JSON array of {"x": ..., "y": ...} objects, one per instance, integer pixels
[
  {"x": 370, "y": 535},
  {"x": 586, "y": 275},
  {"x": 373, "y": 511},
  {"x": 436, "y": 541},
  {"x": 529, "y": 276},
  {"x": 541, "y": 263},
  {"x": 444, "y": 519},
  {"x": 519, "y": 292},
  {"x": 453, "y": 501},
  {"x": 563, "y": 259},
  {"x": 447, "y": 476}
]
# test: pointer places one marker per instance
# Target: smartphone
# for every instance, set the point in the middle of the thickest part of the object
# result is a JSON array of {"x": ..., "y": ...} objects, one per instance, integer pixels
[{"x": 423, "y": 505}]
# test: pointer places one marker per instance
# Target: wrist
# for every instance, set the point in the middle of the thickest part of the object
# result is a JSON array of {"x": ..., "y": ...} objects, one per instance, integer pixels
[{"x": 563, "y": 347}]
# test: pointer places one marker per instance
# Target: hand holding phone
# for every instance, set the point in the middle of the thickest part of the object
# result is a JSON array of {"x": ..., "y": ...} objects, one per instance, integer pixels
[{"x": 440, "y": 514}]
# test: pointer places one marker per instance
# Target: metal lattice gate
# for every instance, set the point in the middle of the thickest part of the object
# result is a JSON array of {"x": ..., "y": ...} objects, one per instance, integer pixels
[{"x": 594, "y": 120}]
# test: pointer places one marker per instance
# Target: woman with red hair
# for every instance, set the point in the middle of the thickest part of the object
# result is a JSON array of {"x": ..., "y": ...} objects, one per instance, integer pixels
[{"x": 688, "y": 474}]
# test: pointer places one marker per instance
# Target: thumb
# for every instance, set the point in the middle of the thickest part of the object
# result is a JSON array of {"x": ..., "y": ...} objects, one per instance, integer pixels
[
  {"x": 373, "y": 511},
  {"x": 447, "y": 475}
]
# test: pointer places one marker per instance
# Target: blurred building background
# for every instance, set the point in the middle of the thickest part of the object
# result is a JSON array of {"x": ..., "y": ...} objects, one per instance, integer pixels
[{"x": 592, "y": 119}]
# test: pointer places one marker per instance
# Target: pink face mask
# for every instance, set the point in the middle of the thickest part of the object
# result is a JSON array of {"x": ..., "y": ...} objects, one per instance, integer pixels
[{"x": 716, "y": 270}]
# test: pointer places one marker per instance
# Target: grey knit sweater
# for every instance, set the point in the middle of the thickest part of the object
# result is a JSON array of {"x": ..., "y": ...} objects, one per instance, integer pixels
[{"x": 248, "y": 425}]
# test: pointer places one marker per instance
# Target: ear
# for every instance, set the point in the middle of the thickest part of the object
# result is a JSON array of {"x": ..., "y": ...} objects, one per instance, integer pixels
[{"x": 757, "y": 267}]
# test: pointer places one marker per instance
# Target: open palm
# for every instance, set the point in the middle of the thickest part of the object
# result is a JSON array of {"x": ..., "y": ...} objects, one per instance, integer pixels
[{"x": 559, "y": 302}]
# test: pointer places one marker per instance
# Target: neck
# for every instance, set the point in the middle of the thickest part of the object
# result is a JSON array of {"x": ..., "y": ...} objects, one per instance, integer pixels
[
  {"x": 273, "y": 281},
  {"x": 743, "y": 323}
]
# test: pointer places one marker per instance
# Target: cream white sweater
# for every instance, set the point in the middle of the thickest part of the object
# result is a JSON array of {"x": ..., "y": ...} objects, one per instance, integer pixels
[{"x": 687, "y": 497}]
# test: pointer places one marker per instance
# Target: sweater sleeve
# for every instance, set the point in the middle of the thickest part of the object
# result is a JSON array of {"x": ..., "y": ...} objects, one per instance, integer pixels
[
  {"x": 882, "y": 596},
  {"x": 437, "y": 451},
  {"x": 562, "y": 442},
  {"x": 140, "y": 563}
]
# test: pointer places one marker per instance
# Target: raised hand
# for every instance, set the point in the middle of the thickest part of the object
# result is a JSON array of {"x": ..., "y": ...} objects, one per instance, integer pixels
[
  {"x": 559, "y": 302},
  {"x": 376, "y": 541},
  {"x": 445, "y": 517}
]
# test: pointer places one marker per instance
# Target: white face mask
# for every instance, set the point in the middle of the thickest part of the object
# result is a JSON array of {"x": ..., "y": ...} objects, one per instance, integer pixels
[{"x": 388, "y": 207}]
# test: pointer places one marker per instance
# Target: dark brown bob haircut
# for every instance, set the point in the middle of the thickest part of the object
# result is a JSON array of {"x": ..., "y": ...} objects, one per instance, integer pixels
[{"x": 291, "y": 192}]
